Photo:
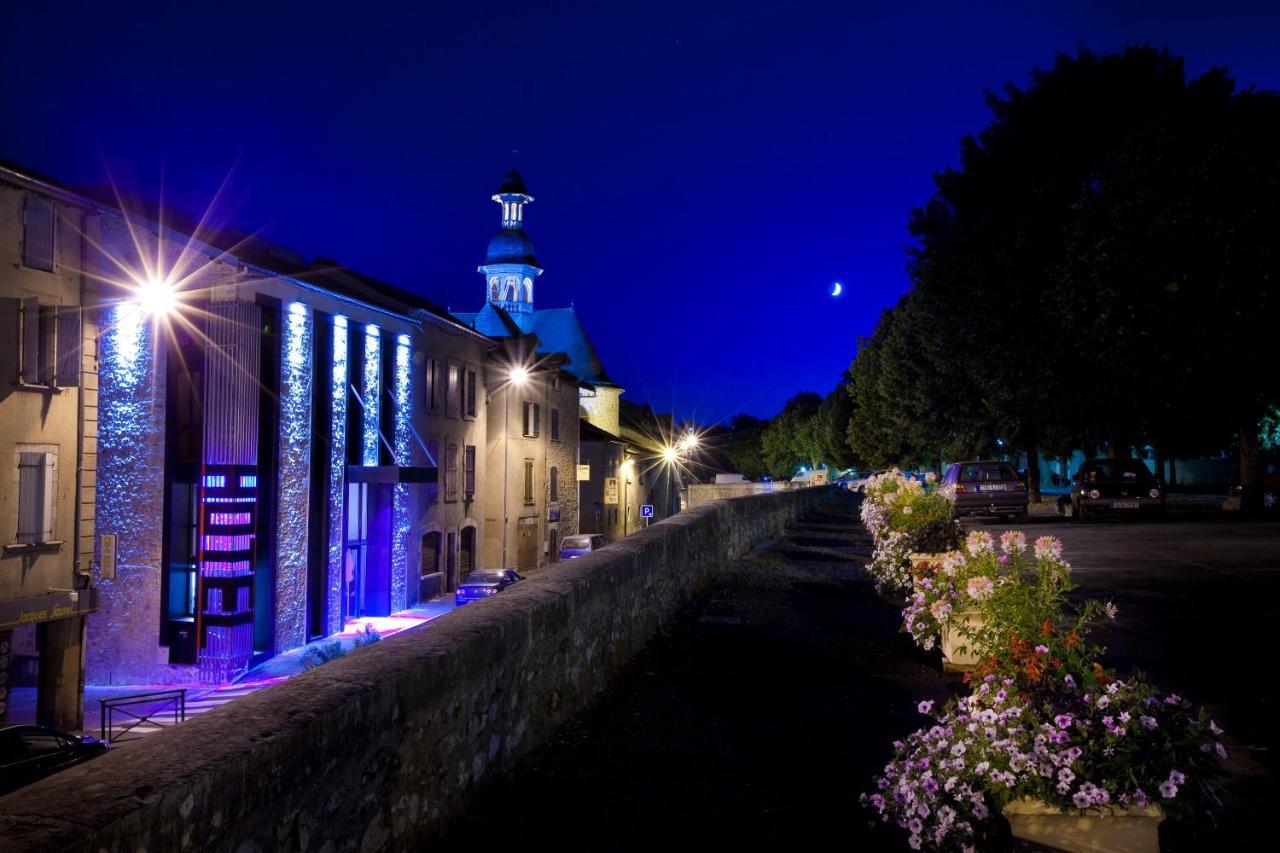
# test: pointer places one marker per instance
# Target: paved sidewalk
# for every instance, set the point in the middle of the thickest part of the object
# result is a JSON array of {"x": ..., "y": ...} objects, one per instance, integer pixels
[{"x": 759, "y": 715}]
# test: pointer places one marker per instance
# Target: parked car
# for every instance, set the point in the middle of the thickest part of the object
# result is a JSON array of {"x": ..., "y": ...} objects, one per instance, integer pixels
[
  {"x": 484, "y": 583},
  {"x": 583, "y": 543},
  {"x": 29, "y": 753},
  {"x": 986, "y": 488},
  {"x": 1113, "y": 487}
]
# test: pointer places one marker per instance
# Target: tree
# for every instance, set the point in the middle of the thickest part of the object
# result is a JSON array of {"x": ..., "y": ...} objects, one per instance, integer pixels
[
  {"x": 742, "y": 446},
  {"x": 831, "y": 426},
  {"x": 789, "y": 441}
]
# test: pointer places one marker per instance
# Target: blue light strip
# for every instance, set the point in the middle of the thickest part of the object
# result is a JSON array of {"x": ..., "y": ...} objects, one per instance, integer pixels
[
  {"x": 372, "y": 394},
  {"x": 294, "y": 491},
  {"x": 337, "y": 475},
  {"x": 401, "y": 499}
]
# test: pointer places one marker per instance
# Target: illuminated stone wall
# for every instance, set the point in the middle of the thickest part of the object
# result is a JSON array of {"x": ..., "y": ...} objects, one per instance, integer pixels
[
  {"x": 563, "y": 456},
  {"x": 294, "y": 491},
  {"x": 602, "y": 409},
  {"x": 384, "y": 747}
]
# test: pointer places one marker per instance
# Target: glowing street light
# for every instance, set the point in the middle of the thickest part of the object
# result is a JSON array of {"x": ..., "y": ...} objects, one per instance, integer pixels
[
  {"x": 670, "y": 455},
  {"x": 156, "y": 296},
  {"x": 689, "y": 443},
  {"x": 518, "y": 375}
]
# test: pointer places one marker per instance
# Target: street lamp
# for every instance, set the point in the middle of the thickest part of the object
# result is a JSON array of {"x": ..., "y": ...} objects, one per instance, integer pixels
[
  {"x": 156, "y": 296},
  {"x": 516, "y": 376}
]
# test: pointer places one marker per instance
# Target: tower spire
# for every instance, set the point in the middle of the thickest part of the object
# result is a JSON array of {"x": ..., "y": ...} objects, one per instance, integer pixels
[{"x": 510, "y": 267}]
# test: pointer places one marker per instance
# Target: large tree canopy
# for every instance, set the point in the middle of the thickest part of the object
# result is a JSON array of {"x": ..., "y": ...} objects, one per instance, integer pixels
[{"x": 1099, "y": 268}]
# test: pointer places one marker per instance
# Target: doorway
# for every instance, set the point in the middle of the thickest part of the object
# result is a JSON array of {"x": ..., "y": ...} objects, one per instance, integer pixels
[
  {"x": 527, "y": 544},
  {"x": 366, "y": 565},
  {"x": 467, "y": 552}
]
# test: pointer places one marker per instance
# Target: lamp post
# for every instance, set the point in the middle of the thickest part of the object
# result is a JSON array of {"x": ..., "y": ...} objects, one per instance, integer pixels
[{"x": 516, "y": 376}]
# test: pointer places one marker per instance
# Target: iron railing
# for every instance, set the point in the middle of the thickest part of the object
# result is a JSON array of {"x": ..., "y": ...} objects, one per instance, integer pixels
[{"x": 159, "y": 703}]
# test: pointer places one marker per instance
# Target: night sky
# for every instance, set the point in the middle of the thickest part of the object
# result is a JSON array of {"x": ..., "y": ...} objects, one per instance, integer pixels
[{"x": 703, "y": 171}]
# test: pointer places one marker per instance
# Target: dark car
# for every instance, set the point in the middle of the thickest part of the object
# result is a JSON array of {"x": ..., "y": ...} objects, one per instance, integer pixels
[
  {"x": 580, "y": 544},
  {"x": 986, "y": 488},
  {"x": 1114, "y": 487},
  {"x": 28, "y": 753},
  {"x": 485, "y": 583}
]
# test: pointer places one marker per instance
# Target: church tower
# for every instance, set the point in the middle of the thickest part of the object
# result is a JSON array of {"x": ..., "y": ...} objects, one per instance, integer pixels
[{"x": 509, "y": 266}]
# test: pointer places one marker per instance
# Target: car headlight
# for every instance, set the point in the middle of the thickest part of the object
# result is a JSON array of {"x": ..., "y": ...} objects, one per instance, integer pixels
[
  {"x": 1095, "y": 494},
  {"x": 1155, "y": 493}
]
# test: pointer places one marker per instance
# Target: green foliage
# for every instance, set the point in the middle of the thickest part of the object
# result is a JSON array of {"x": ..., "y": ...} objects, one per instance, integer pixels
[
  {"x": 742, "y": 446},
  {"x": 789, "y": 441},
  {"x": 1099, "y": 267}
]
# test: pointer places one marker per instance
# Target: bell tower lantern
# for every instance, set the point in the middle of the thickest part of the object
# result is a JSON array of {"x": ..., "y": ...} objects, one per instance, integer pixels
[{"x": 509, "y": 266}]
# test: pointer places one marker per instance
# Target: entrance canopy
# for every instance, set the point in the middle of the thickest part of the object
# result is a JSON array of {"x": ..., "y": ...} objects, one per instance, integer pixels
[{"x": 391, "y": 474}]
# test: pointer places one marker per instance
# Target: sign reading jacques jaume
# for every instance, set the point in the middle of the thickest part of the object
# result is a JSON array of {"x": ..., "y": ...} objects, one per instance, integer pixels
[{"x": 44, "y": 608}]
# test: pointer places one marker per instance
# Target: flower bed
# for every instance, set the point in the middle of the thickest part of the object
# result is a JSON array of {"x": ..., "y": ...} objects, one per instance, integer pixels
[
  {"x": 1046, "y": 724},
  {"x": 904, "y": 516}
]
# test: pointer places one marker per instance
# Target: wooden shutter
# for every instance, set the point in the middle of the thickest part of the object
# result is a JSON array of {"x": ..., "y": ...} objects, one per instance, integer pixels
[
  {"x": 68, "y": 347},
  {"x": 38, "y": 247},
  {"x": 469, "y": 470},
  {"x": 30, "y": 372},
  {"x": 31, "y": 485},
  {"x": 10, "y": 338}
]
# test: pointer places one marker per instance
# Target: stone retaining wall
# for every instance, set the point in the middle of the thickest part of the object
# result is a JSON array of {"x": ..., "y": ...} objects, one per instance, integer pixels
[
  {"x": 698, "y": 494},
  {"x": 380, "y": 749}
]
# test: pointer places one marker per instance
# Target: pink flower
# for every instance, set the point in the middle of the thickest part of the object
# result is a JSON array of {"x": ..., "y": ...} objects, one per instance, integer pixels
[{"x": 979, "y": 588}]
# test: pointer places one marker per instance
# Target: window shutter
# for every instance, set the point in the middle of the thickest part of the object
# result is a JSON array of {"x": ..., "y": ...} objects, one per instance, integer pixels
[
  {"x": 11, "y": 337},
  {"x": 31, "y": 481},
  {"x": 68, "y": 343},
  {"x": 30, "y": 374},
  {"x": 37, "y": 236},
  {"x": 48, "y": 472},
  {"x": 537, "y": 420}
]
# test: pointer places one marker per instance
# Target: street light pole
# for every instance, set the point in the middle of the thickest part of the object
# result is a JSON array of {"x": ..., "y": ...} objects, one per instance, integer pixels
[{"x": 515, "y": 376}]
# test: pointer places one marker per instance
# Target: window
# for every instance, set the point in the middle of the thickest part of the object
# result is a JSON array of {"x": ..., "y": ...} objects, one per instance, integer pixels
[
  {"x": 555, "y": 424},
  {"x": 509, "y": 287},
  {"x": 453, "y": 397},
  {"x": 469, "y": 471},
  {"x": 39, "y": 235},
  {"x": 430, "y": 554},
  {"x": 553, "y": 484},
  {"x": 532, "y": 420},
  {"x": 469, "y": 406},
  {"x": 493, "y": 289},
  {"x": 49, "y": 352},
  {"x": 433, "y": 385},
  {"x": 451, "y": 474},
  {"x": 528, "y": 481},
  {"x": 36, "y": 471}
]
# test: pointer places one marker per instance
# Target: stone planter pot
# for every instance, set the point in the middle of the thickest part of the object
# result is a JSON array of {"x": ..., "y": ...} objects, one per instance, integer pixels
[
  {"x": 1102, "y": 829},
  {"x": 953, "y": 658}
]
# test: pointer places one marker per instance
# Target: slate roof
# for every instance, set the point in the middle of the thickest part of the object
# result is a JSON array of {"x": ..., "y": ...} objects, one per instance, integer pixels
[
  {"x": 557, "y": 330},
  {"x": 510, "y": 246}
]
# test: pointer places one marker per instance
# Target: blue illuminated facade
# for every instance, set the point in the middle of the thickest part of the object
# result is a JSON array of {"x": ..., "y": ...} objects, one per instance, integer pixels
[
  {"x": 294, "y": 477},
  {"x": 337, "y": 480},
  {"x": 371, "y": 395}
]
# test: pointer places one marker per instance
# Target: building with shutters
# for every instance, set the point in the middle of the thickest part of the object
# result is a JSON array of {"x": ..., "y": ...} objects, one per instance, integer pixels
[
  {"x": 567, "y": 381},
  {"x": 48, "y": 431}
]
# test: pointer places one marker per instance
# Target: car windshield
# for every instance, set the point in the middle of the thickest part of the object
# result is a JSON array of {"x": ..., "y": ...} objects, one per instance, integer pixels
[
  {"x": 577, "y": 542},
  {"x": 984, "y": 472},
  {"x": 485, "y": 576},
  {"x": 1115, "y": 470}
]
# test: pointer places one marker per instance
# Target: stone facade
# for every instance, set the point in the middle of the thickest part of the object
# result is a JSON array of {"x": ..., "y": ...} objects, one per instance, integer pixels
[
  {"x": 381, "y": 749},
  {"x": 48, "y": 427}
]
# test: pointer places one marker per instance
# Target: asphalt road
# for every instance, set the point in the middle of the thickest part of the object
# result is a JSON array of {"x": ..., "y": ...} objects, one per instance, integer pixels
[{"x": 755, "y": 719}]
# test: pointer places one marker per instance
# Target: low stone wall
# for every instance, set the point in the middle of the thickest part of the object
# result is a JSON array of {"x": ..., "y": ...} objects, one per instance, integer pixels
[
  {"x": 380, "y": 749},
  {"x": 700, "y": 494}
]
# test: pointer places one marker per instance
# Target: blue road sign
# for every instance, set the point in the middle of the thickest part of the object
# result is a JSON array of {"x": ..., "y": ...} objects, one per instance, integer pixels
[{"x": 646, "y": 510}]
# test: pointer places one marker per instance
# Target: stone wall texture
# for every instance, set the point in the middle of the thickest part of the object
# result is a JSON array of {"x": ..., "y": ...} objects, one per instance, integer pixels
[
  {"x": 380, "y": 749},
  {"x": 697, "y": 494}
]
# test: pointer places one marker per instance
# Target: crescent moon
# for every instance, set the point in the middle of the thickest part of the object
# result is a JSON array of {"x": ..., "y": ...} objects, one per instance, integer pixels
[{"x": 837, "y": 289}]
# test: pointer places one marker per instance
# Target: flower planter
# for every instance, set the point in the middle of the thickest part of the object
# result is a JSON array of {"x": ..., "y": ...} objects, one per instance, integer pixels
[
  {"x": 953, "y": 659},
  {"x": 1105, "y": 829}
]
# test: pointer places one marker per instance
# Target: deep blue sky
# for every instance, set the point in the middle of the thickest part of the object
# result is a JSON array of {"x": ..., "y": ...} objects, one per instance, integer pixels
[{"x": 703, "y": 170}]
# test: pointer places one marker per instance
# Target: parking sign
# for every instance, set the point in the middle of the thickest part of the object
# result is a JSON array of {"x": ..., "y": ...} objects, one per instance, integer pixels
[{"x": 646, "y": 510}]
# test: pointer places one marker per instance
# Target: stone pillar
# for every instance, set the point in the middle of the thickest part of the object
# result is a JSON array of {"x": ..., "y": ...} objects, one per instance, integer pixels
[
  {"x": 60, "y": 699},
  {"x": 294, "y": 493}
]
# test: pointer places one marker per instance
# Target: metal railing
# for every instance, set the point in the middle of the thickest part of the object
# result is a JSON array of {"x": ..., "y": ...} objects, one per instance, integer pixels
[{"x": 160, "y": 703}]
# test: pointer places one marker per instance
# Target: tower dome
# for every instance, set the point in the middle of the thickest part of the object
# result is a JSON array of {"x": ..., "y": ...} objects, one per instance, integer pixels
[{"x": 510, "y": 266}]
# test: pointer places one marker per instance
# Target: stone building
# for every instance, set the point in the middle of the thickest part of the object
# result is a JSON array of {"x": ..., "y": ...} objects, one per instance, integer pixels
[
  {"x": 564, "y": 370},
  {"x": 48, "y": 426},
  {"x": 285, "y": 448}
]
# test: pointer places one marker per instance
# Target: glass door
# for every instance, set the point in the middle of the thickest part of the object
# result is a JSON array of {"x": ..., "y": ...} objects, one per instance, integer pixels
[{"x": 356, "y": 555}]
